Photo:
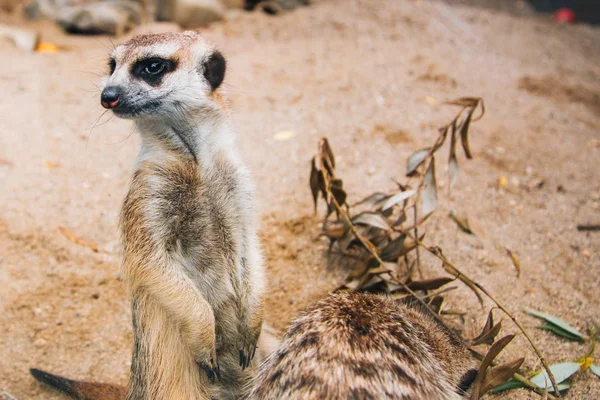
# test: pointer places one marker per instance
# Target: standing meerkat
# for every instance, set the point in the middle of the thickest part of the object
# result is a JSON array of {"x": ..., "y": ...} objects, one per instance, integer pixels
[
  {"x": 191, "y": 261},
  {"x": 191, "y": 256},
  {"x": 364, "y": 346}
]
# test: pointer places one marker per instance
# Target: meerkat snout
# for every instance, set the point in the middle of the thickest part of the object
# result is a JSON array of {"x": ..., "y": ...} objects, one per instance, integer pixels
[
  {"x": 110, "y": 97},
  {"x": 158, "y": 74}
]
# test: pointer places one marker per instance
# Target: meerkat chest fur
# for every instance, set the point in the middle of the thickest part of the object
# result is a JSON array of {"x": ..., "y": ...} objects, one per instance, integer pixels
[
  {"x": 191, "y": 257},
  {"x": 198, "y": 218}
]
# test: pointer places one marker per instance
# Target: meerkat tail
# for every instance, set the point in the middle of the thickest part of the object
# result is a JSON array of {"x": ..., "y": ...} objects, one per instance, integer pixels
[{"x": 80, "y": 390}]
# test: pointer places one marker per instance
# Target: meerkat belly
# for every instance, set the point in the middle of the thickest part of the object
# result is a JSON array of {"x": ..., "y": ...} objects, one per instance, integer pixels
[{"x": 207, "y": 236}]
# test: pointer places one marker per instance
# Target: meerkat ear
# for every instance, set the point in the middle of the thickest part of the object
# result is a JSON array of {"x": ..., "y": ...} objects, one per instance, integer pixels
[{"x": 214, "y": 69}]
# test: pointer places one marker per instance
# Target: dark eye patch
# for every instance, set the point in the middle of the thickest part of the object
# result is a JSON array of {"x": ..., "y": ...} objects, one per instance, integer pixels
[
  {"x": 152, "y": 70},
  {"x": 112, "y": 65}
]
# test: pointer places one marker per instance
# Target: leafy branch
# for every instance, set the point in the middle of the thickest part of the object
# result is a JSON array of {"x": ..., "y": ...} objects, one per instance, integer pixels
[{"x": 379, "y": 239}]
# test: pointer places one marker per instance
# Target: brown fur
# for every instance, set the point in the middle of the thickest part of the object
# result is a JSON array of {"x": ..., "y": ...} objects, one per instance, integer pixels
[{"x": 363, "y": 346}]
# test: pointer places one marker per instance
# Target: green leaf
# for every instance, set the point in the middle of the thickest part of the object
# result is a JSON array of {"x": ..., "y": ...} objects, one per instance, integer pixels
[
  {"x": 595, "y": 369},
  {"x": 556, "y": 321},
  {"x": 561, "y": 372},
  {"x": 512, "y": 384},
  {"x": 559, "y": 331}
]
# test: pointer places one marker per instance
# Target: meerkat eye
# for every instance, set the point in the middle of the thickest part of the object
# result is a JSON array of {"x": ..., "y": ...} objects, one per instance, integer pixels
[
  {"x": 112, "y": 65},
  {"x": 154, "y": 67},
  {"x": 152, "y": 70}
]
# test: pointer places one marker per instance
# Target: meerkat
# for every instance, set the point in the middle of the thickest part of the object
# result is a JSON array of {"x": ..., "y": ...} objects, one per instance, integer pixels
[
  {"x": 365, "y": 346},
  {"x": 191, "y": 256}
]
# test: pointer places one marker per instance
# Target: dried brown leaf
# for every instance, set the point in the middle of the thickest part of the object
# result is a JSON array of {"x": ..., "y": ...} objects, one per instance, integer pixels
[
  {"x": 429, "y": 284},
  {"x": 499, "y": 375},
  {"x": 436, "y": 304},
  {"x": 344, "y": 241},
  {"x": 489, "y": 324},
  {"x": 326, "y": 156},
  {"x": 462, "y": 222},
  {"x": 334, "y": 231},
  {"x": 467, "y": 102},
  {"x": 383, "y": 269},
  {"x": 314, "y": 182},
  {"x": 492, "y": 353},
  {"x": 393, "y": 249},
  {"x": 442, "y": 138},
  {"x": 488, "y": 337},
  {"x": 429, "y": 190},
  {"x": 409, "y": 245},
  {"x": 452, "y": 162},
  {"x": 515, "y": 261},
  {"x": 463, "y": 129},
  {"x": 338, "y": 193},
  {"x": 78, "y": 240}
]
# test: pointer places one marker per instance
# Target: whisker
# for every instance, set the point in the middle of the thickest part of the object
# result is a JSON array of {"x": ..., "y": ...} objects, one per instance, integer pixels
[
  {"x": 87, "y": 140},
  {"x": 123, "y": 141}
]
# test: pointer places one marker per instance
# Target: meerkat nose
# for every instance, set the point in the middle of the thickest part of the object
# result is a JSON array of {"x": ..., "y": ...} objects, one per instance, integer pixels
[{"x": 110, "y": 97}]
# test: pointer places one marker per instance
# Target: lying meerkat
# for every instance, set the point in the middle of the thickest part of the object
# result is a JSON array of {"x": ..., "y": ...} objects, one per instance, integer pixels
[
  {"x": 191, "y": 257},
  {"x": 364, "y": 346}
]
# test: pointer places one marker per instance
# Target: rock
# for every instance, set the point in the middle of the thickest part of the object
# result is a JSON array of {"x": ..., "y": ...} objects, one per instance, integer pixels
[
  {"x": 113, "y": 18},
  {"x": 275, "y": 6},
  {"x": 196, "y": 13},
  {"x": 23, "y": 39}
]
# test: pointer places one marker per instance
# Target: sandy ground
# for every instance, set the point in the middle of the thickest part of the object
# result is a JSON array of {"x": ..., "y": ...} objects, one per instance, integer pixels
[{"x": 370, "y": 75}]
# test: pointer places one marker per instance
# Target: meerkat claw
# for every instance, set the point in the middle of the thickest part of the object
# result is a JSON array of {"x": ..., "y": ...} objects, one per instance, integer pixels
[
  {"x": 212, "y": 372},
  {"x": 253, "y": 352},
  {"x": 241, "y": 357},
  {"x": 247, "y": 353}
]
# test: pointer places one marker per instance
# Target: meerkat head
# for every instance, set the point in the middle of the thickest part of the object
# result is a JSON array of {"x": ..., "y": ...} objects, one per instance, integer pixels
[{"x": 162, "y": 75}]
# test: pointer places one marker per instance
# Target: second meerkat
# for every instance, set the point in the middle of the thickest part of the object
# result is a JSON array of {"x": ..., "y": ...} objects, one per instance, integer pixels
[
  {"x": 192, "y": 261},
  {"x": 366, "y": 346}
]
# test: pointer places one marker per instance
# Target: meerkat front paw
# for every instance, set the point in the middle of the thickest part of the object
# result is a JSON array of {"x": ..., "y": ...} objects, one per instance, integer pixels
[
  {"x": 210, "y": 366},
  {"x": 247, "y": 348}
]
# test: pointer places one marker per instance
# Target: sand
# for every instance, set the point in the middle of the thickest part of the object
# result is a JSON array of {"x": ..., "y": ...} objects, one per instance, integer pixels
[{"x": 371, "y": 76}]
